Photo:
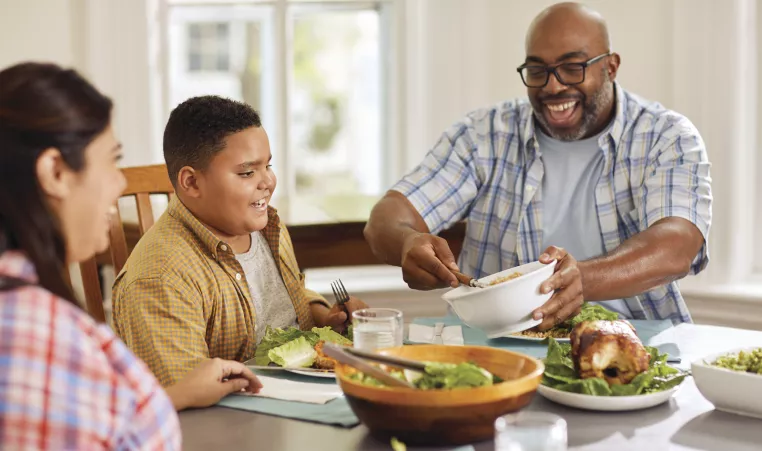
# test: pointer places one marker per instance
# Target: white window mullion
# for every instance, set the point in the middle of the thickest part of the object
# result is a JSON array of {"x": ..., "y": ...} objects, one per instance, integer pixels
[{"x": 282, "y": 47}]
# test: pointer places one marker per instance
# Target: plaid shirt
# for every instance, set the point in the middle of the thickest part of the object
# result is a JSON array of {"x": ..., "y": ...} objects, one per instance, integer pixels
[
  {"x": 183, "y": 297},
  {"x": 487, "y": 169},
  {"x": 69, "y": 383}
]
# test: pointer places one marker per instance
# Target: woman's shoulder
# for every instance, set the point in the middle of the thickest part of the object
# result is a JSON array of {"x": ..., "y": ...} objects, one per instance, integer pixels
[{"x": 54, "y": 349}]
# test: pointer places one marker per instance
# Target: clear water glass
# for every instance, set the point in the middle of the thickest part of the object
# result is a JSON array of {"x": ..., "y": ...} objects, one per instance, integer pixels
[
  {"x": 530, "y": 431},
  {"x": 375, "y": 328}
]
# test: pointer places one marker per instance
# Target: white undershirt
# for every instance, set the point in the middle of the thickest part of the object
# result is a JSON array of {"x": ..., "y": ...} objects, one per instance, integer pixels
[{"x": 272, "y": 302}]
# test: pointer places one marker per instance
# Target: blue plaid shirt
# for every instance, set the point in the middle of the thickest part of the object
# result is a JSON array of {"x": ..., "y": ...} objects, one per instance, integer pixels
[{"x": 487, "y": 169}]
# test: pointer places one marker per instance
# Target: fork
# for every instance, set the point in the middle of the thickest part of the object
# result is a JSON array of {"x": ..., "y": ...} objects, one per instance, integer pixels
[{"x": 341, "y": 295}]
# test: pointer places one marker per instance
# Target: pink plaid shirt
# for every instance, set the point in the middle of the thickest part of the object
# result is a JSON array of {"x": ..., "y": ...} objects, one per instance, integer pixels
[{"x": 69, "y": 383}]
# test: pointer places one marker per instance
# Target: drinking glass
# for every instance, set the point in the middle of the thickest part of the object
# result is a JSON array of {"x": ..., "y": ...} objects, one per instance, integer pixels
[
  {"x": 375, "y": 328},
  {"x": 530, "y": 431}
]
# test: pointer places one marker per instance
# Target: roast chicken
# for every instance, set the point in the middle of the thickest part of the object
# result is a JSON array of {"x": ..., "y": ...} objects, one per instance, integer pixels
[{"x": 609, "y": 350}]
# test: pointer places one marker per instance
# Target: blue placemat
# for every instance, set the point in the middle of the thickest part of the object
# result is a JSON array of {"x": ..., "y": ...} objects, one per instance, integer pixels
[
  {"x": 336, "y": 412},
  {"x": 647, "y": 329}
]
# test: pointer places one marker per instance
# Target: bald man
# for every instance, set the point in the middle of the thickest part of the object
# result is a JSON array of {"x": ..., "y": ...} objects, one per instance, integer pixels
[{"x": 613, "y": 187}]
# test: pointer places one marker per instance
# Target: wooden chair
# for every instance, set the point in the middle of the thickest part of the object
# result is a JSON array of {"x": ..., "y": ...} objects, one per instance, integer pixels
[{"x": 142, "y": 181}]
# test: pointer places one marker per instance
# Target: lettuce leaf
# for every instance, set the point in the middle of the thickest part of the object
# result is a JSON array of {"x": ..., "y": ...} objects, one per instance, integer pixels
[
  {"x": 591, "y": 312},
  {"x": 561, "y": 375},
  {"x": 275, "y": 337},
  {"x": 295, "y": 353},
  {"x": 329, "y": 335}
]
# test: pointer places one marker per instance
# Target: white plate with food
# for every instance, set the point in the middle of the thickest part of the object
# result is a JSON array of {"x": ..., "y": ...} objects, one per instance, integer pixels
[
  {"x": 607, "y": 368},
  {"x": 607, "y": 403},
  {"x": 328, "y": 374},
  {"x": 522, "y": 336},
  {"x": 727, "y": 379},
  {"x": 292, "y": 349}
]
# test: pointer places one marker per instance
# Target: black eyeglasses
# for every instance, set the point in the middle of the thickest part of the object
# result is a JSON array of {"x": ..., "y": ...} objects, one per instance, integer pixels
[{"x": 535, "y": 76}]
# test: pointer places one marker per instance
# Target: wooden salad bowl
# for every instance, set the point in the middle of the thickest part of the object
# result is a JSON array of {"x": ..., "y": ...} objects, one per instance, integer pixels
[{"x": 444, "y": 417}]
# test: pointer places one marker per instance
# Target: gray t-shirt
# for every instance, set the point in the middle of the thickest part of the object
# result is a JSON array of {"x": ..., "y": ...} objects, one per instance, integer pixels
[
  {"x": 272, "y": 303},
  {"x": 569, "y": 217}
]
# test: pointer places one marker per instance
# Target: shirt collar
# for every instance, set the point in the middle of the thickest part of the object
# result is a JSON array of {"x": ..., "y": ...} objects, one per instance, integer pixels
[
  {"x": 16, "y": 264},
  {"x": 615, "y": 131},
  {"x": 209, "y": 240}
]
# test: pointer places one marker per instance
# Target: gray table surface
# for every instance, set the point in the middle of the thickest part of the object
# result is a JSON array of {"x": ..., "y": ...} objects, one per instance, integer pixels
[{"x": 687, "y": 422}]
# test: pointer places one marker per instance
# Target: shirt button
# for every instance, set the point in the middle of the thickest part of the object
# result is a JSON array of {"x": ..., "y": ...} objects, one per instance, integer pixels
[
  {"x": 238, "y": 276},
  {"x": 224, "y": 248}
]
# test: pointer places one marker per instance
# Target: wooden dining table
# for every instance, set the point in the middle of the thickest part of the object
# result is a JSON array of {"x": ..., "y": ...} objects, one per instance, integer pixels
[{"x": 687, "y": 422}]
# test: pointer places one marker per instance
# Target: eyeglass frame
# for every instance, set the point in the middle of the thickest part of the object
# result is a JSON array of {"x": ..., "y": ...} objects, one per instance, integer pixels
[{"x": 554, "y": 70}]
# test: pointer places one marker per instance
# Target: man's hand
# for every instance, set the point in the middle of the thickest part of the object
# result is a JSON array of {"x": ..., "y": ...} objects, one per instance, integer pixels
[
  {"x": 336, "y": 317},
  {"x": 427, "y": 262},
  {"x": 567, "y": 283},
  {"x": 210, "y": 381}
]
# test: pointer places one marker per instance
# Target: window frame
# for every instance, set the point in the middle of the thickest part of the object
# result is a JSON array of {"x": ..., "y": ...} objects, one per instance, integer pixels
[{"x": 391, "y": 15}]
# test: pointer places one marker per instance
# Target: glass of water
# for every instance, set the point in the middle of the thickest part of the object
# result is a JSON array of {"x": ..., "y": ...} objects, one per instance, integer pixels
[
  {"x": 375, "y": 328},
  {"x": 530, "y": 431}
]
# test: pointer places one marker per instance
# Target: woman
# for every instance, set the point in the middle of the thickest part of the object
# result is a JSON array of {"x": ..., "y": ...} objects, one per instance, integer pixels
[{"x": 65, "y": 381}]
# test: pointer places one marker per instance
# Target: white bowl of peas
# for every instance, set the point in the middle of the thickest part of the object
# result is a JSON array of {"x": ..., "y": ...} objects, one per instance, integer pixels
[{"x": 732, "y": 380}]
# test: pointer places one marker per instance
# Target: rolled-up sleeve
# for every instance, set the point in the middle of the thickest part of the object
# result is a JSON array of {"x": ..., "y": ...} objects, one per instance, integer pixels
[
  {"x": 678, "y": 184},
  {"x": 443, "y": 187}
]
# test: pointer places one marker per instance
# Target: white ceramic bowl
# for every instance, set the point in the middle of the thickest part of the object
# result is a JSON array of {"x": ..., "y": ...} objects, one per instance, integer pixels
[
  {"x": 729, "y": 391},
  {"x": 504, "y": 308}
]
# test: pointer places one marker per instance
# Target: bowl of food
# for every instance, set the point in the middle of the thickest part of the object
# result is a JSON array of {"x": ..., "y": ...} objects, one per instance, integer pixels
[
  {"x": 457, "y": 400},
  {"x": 731, "y": 380},
  {"x": 505, "y": 306},
  {"x": 607, "y": 368}
]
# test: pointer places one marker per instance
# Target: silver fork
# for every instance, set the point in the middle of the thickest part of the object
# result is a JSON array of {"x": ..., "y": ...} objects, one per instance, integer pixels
[{"x": 341, "y": 295}]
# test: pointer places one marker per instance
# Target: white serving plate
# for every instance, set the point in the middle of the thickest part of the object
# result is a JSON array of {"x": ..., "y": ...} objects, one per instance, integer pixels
[
  {"x": 323, "y": 374},
  {"x": 528, "y": 338},
  {"x": 730, "y": 391},
  {"x": 507, "y": 307},
  {"x": 607, "y": 403}
]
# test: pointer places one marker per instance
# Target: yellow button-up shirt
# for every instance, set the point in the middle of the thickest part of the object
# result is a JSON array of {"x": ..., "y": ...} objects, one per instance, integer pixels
[{"x": 183, "y": 297}]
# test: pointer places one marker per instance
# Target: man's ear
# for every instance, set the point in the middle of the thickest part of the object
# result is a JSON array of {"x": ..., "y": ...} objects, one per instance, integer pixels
[
  {"x": 53, "y": 174},
  {"x": 187, "y": 182},
  {"x": 613, "y": 65}
]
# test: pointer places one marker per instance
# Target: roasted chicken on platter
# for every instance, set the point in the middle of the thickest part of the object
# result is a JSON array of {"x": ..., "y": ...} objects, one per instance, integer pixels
[{"x": 609, "y": 350}]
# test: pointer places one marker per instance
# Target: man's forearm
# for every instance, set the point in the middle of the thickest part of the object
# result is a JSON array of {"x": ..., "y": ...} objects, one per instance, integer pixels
[
  {"x": 392, "y": 220},
  {"x": 658, "y": 255}
]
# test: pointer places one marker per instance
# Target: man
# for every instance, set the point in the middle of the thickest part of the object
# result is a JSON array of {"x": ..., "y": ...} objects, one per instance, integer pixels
[
  {"x": 219, "y": 265},
  {"x": 615, "y": 188}
]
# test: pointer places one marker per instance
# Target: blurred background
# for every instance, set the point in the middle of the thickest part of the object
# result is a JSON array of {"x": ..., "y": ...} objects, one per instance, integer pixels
[{"x": 354, "y": 93}]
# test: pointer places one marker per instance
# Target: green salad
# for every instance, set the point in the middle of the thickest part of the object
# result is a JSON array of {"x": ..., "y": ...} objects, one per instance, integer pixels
[
  {"x": 561, "y": 375},
  {"x": 589, "y": 312},
  {"x": 744, "y": 361},
  {"x": 293, "y": 347},
  {"x": 438, "y": 376}
]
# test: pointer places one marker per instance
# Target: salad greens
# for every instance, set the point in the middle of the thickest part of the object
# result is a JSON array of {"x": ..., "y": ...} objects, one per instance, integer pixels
[
  {"x": 591, "y": 312},
  {"x": 299, "y": 353},
  {"x": 438, "y": 376},
  {"x": 278, "y": 337},
  {"x": 744, "y": 361},
  {"x": 398, "y": 445},
  {"x": 561, "y": 375}
]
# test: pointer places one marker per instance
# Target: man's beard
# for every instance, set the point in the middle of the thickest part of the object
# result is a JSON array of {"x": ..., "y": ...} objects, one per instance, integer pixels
[{"x": 590, "y": 112}]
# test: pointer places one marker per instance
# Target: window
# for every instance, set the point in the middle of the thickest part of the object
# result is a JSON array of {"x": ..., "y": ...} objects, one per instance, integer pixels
[{"x": 318, "y": 72}]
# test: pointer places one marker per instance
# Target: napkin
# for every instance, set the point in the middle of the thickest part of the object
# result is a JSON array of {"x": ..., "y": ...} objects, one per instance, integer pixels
[
  {"x": 296, "y": 391},
  {"x": 451, "y": 335}
]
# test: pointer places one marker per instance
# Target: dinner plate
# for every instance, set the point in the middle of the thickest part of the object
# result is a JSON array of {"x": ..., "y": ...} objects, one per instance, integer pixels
[
  {"x": 327, "y": 374},
  {"x": 607, "y": 403},
  {"x": 528, "y": 338}
]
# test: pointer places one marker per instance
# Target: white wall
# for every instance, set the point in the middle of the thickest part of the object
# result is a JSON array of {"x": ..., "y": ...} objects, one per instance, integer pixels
[
  {"x": 465, "y": 54},
  {"x": 36, "y": 30}
]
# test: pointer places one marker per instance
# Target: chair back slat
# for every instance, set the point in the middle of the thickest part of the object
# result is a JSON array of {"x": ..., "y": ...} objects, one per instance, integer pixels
[{"x": 142, "y": 181}]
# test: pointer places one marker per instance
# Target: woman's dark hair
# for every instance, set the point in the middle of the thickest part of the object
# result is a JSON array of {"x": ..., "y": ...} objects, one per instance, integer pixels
[{"x": 42, "y": 106}]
